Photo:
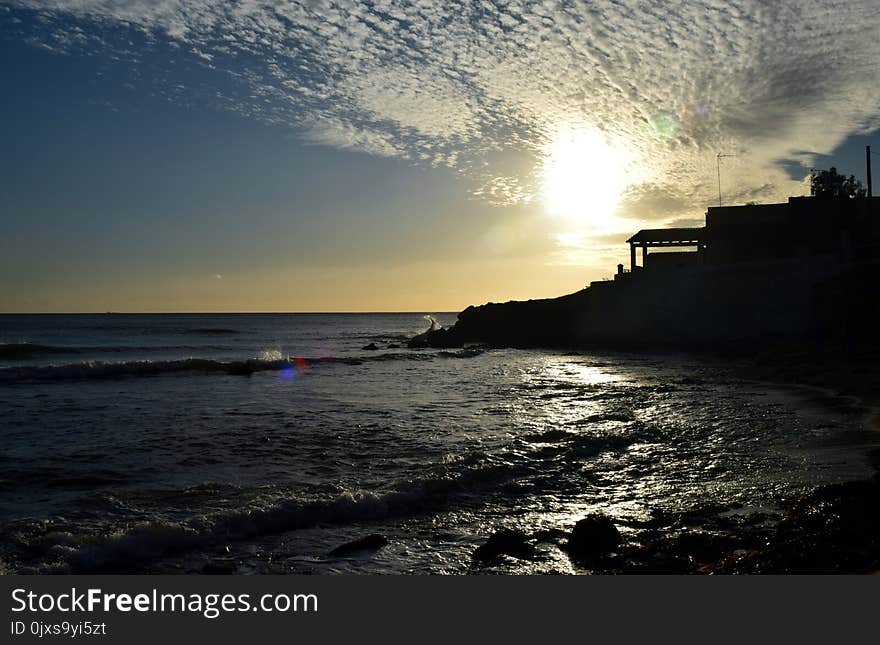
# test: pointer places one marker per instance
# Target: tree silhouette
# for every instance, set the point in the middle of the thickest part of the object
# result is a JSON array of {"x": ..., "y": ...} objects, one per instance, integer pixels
[{"x": 828, "y": 183}]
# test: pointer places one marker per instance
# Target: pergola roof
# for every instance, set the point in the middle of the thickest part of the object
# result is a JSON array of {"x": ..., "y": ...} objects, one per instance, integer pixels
[{"x": 668, "y": 237}]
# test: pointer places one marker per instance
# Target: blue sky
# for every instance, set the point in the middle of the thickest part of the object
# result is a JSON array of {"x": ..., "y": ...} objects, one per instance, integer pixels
[{"x": 335, "y": 156}]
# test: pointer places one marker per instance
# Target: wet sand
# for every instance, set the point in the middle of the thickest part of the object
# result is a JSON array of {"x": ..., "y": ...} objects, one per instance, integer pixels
[{"x": 850, "y": 371}]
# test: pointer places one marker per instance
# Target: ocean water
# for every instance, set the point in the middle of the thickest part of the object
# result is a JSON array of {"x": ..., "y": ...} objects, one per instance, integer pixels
[{"x": 165, "y": 443}]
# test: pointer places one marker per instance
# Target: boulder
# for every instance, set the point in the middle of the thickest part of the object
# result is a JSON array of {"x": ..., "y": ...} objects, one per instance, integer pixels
[
  {"x": 593, "y": 537},
  {"x": 438, "y": 338},
  {"x": 505, "y": 542},
  {"x": 369, "y": 543}
]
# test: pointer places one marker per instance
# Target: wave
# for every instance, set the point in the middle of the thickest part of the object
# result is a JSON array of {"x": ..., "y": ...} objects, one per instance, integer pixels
[
  {"x": 21, "y": 351},
  {"x": 57, "y": 546},
  {"x": 112, "y": 370},
  {"x": 143, "y": 368},
  {"x": 117, "y": 349},
  {"x": 469, "y": 352},
  {"x": 152, "y": 540}
]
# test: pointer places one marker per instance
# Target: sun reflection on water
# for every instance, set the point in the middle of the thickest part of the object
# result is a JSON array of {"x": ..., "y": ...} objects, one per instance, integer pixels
[{"x": 574, "y": 373}]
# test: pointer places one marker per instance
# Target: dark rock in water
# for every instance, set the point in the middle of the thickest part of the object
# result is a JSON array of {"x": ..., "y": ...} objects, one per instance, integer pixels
[
  {"x": 835, "y": 529},
  {"x": 661, "y": 562},
  {"x": 220, "y": 568},
  {"x": 436, "y": 336},
  {"x": 703, "y": 547},
  {"x": 393, "y": 346},
  {"x": 689, "y": 552},
  {"x": 593, "y": 537},
  {"x": 505, "y": 542},
  {"x": 440, "y": 338},
  {"x": 371, "y": 347},
  {"x": 370, "y": 543}
]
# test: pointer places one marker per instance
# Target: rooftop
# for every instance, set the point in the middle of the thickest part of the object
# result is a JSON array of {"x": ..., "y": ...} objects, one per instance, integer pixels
[{"x": 668, "y": 236}]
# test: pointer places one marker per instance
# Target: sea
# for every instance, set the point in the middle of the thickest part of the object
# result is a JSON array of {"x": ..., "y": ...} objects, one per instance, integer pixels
[{"x": 259, "y": 443}]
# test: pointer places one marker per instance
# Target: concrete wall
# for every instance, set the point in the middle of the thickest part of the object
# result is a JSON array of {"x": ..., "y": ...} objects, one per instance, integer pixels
[
  {"x": 734, "y": 302},
  {"x": 671, "y": 260}
]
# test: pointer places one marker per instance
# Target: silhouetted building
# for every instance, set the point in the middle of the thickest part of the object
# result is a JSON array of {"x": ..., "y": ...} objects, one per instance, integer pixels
[
  {"x": 664, "y": 238},
  {"x": 807, "y": 270},
  {"x": 806, "y": 267},
  {"x": 848, "y": 229},
  {"x": 802, "y": 227}
]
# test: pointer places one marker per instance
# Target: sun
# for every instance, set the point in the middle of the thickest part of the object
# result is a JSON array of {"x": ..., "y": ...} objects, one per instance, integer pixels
[{"x": 583, "y": 176}]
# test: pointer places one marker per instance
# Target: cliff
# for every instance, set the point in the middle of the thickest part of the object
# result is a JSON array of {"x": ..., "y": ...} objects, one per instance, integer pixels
[
  {"x": 754, "y": 304},
  {"x": 534, "y": 323}
]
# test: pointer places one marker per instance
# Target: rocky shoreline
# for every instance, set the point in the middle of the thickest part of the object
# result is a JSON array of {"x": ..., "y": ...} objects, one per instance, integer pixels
[
  {"x": 550, "y": 322},
  {"x": 833, "y": 529}
]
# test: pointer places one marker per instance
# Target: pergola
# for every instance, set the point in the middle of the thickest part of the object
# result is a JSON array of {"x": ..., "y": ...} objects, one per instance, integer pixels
[{"x": 664, "y": 237}]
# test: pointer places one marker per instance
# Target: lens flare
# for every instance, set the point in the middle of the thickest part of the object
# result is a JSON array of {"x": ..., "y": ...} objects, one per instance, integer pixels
[
  {"x": 666, "y": 124},
  {"x": 293, "y": 368},
  {"x": 287, "y": 373}
]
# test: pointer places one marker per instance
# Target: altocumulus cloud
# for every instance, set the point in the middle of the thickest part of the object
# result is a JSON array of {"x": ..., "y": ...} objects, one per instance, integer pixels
[{"x": 458, "y": 83}]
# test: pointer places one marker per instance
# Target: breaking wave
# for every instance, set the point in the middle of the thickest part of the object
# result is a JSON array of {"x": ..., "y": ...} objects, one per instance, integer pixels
[
  {"x": 23, "y": 351},
  {"x": 141, "y": 368},
  {"x": 59, "y": 550},
  {"x": 459, "y": 480}
]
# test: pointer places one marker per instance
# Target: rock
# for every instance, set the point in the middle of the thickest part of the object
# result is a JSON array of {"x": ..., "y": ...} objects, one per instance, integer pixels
[
  {"x": 220, "y": 568},
  {"x": 371, "y": 347},
  {"x": 505, "y": 542},
  {"x": 438, "y": 338},
  {"x": 593, "y": 537},
  {"x": 702, "y": 547},
  {"x": 393, "y": 346},
  {"x": 369, "y": 543}
]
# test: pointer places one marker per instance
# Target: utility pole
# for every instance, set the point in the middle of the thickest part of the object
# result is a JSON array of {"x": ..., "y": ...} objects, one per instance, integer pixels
[
  {"x": 718, "y": 165},
  {"x": 868, "y": 169}
]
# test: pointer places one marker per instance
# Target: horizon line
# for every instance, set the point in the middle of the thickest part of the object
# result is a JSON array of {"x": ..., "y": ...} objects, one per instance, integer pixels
[{"x": 203, "y": 313}]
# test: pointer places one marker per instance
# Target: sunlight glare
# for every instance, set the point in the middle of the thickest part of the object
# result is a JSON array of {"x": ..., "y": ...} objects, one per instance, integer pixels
[{"x": 583, "y": 176}]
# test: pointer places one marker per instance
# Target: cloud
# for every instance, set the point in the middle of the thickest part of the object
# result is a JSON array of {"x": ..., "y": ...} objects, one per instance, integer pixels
[
  {"x": 336, "y": 132},
  {"x": 504, "y": 191},
  {"x": 459, "y": 83},
  {"x": 655, "y": 202},
  {"x": 432, "y": 106}
]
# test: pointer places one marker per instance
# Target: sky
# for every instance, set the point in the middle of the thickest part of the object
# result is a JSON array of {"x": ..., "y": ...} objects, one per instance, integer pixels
[{"x": 267, "y": 155}]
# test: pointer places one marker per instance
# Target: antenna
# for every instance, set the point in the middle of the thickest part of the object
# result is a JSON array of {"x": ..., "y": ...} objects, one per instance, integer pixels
[
  {"x": 718, "y": 165},
  {"x": 868, "y": 169}
]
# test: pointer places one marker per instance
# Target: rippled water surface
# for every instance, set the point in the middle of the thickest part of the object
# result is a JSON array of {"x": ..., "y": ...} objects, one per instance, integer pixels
[{"x": 163, "y": 443}]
